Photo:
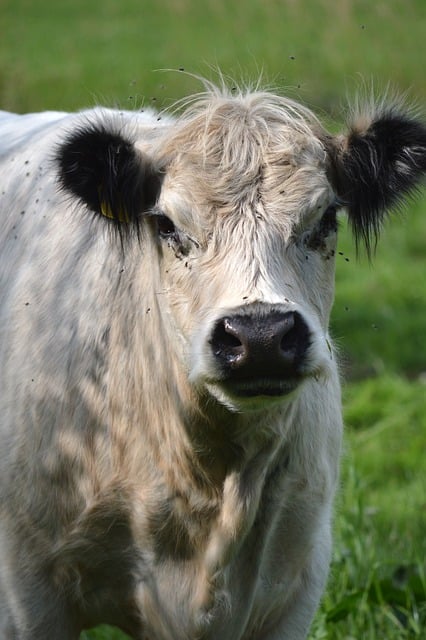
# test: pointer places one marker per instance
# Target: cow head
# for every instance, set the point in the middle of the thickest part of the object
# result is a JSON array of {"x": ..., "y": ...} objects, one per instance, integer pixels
[{"x": 240, "y": 197}]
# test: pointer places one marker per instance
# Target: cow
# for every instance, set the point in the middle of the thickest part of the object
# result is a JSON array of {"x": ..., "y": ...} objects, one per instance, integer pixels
[{"x": 170, "y": 400}]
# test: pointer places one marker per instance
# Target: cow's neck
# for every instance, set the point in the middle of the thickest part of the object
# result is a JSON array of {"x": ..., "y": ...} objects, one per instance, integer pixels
[
  {"x": 213, "y": 444},
  {"x": 239, "y": 471},
  {"x": 220, "y": 459}
]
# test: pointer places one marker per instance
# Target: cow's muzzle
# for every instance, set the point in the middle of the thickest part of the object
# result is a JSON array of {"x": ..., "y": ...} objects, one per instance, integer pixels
[{"x": 260, "y": 351}]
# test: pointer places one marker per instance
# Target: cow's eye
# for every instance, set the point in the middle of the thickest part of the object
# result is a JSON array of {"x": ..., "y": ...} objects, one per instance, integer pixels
[
  {"x": 329, "y": 220},
  {"x": 325, "y": 228},
  {"x": 166, "y": 228}
]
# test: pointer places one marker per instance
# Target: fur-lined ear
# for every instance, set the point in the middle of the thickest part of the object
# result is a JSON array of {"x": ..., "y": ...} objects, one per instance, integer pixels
[
  {"x": 380, "y": 162},
  {"x": 104, "y": 171}
]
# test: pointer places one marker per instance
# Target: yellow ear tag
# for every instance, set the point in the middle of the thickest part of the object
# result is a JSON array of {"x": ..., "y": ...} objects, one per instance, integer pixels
[{"x": 106, "y": 211}]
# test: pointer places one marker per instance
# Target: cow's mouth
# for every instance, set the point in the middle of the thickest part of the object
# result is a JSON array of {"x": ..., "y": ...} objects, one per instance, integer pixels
[{"x": 251, "y": 388}]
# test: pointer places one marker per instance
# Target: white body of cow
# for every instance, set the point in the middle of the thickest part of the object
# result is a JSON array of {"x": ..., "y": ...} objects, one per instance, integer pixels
[{"x": 170, "y": 416}]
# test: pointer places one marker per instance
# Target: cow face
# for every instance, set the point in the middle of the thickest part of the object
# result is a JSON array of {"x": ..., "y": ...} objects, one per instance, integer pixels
[
  {"x": 249, "y": 270},
  {"x": 245, "y": 228}
]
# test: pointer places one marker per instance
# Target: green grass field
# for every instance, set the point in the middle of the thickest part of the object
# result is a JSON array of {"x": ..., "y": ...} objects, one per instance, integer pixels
[{"x": 75, "y": 53}]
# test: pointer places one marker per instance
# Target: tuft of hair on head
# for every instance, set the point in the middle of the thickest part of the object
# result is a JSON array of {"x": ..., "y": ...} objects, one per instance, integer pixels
[
  {"x": 100, "y": 167},
  {"x": 378, "y": 164}
]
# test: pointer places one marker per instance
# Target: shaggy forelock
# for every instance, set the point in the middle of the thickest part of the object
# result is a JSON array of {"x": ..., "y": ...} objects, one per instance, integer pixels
[{"x": 232, "y": 149}]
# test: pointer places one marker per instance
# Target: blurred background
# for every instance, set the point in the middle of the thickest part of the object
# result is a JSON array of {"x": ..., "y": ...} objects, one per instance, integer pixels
[{"x": 71, "y": 54}]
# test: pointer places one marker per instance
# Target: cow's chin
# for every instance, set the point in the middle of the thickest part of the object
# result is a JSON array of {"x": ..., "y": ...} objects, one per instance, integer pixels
[{"x": 253, "y": 394}]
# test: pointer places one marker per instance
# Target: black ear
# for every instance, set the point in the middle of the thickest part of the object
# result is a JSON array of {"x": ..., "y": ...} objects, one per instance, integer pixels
[
  {"x": 380, "y": 162},
  {"x": 104, "y": 171}
]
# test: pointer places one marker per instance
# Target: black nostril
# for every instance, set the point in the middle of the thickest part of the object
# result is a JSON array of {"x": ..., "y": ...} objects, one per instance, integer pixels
[
  {"x": 295, "y": 337},
  {"x": 228, "y": 334},
  {"x": 288, "y": 346},
  {"x": 225, "y": 341}
]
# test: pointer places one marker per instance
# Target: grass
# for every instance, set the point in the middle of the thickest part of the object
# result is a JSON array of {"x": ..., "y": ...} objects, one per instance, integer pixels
[
  {"x": 72, "y": 54},
  {"x": 379, "y": 310},
  {"x": 377, "y": 587}
]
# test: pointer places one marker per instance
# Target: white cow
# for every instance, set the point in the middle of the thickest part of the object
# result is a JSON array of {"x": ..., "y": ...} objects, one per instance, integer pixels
[{"x": 170, "y": 415}]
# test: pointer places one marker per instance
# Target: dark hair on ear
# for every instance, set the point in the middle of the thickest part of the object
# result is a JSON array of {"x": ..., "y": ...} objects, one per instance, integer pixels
[
  {"x": 377, "y": 165},
  {"x": 102, "y": 169}
]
